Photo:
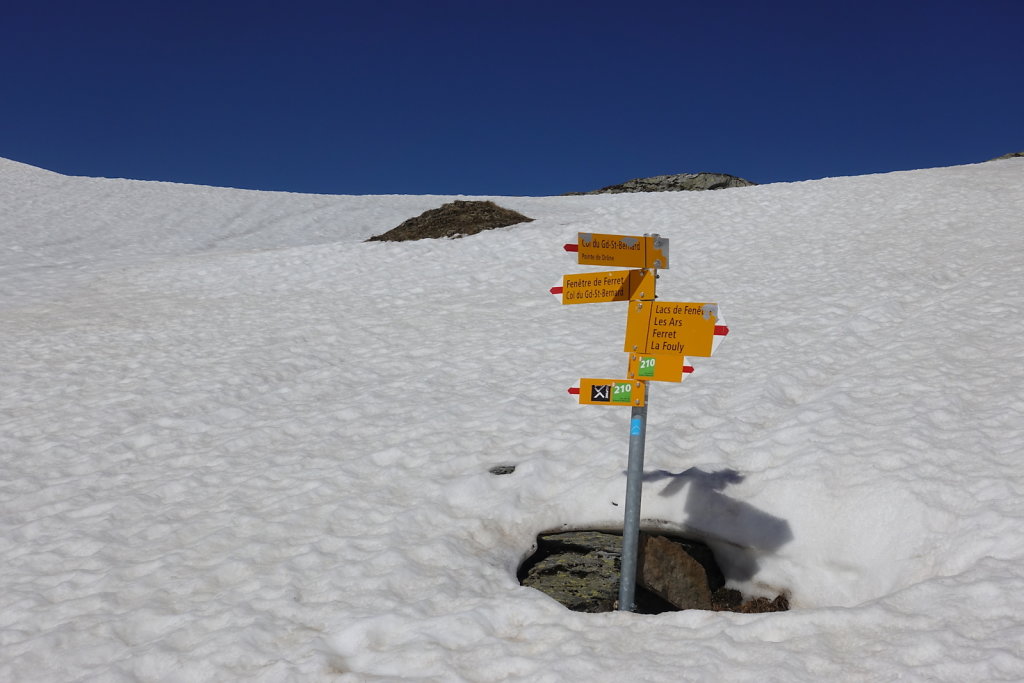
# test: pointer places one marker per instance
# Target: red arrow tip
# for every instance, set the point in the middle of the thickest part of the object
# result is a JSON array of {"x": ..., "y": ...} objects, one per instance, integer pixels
[
  {"x": 574, "y": 390},
  {"x": 687, "y": 368},
  {"x": 571, "y": 247},
  {"x": 555, "y": 290},
  {"x": 721, "y": 330}
]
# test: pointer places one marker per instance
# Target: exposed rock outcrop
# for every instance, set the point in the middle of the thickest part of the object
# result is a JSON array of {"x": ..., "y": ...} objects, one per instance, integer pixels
[
  {"x": 674, "y": 183},
  {"x": 454, "y": 219},
  {"x": 581, "y": 570},
  {"x": 1011, "y": 155},
  {"x": 578, "y": 569}
]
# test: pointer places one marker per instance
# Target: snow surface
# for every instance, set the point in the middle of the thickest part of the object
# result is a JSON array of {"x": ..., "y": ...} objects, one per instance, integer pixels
[{"x": 239, "y": 443}]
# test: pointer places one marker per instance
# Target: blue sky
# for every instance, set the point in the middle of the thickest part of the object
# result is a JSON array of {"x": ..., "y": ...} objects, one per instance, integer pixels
[{"x": 506, "y": 98}]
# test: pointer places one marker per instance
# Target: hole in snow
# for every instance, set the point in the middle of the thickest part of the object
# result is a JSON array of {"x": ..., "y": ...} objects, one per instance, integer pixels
[{"x": 580, "y": 569}]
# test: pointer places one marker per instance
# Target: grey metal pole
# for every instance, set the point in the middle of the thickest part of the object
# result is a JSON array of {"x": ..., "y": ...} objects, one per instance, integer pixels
[{"x": 634, "y": 490}]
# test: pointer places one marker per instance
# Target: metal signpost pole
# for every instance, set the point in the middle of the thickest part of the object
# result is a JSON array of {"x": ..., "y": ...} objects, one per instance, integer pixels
[
  {"x": 634, "y": 491},
  {"x": 657, "y": 333}
]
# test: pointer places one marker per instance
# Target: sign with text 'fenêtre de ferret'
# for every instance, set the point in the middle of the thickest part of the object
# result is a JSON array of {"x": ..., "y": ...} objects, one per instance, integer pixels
[{"x": 609, "y": 285}]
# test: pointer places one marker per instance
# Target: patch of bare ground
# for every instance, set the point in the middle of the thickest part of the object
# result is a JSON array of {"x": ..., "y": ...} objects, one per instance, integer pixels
[{"x": 455, "y": 219}]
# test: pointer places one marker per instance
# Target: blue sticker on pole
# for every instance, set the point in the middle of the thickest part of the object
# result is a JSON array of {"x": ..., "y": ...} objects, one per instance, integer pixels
[{"x": 634, "y": 426}]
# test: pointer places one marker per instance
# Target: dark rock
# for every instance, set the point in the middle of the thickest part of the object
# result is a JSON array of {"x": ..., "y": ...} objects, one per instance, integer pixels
[
  {"x": 726, "y": 599},
  {"x": 454, "y": 219},
  {"x": 760, "y": 605},
  {"x": 1011, "y": 155},
  {"x": 502, "y": 469},
  {"x": 583, "y": 542},
  {"x": 675, "y": 183},
  {"x": 580, "y": 570}
]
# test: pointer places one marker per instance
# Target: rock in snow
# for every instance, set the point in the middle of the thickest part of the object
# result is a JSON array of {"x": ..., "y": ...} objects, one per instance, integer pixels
[
  {"x": 581, "y": 570},
  {"x": 455, "y": 219},
  {"x": 671, "y": 571}
]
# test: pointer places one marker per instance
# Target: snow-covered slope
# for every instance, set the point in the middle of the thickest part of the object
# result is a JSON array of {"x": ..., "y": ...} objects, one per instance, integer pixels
[{"x": 239, "y": 443}]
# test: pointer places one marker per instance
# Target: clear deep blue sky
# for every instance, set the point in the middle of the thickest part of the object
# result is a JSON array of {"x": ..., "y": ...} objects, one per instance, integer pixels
[{"x": 506, "y": 98}]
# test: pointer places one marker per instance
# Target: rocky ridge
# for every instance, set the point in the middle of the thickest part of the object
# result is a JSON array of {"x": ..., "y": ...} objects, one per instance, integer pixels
[{"x": 678, "y": 182}]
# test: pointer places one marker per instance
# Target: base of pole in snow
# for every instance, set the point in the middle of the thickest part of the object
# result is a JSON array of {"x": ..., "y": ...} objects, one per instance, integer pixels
[{"x": 631, "y": 523}]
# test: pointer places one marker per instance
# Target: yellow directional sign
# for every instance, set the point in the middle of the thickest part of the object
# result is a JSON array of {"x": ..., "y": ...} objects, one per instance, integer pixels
[
  {"x": 610, "y": 285},
  {"x": 657, "y": 368},
  {"x": 612, "y": 392},
  {"x": 626, "y": 251},
  {"x": 670, "y": 328}
]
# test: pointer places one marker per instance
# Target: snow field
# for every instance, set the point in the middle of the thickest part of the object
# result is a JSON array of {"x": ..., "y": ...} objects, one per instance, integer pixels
[{"x": 239, "y": 443}]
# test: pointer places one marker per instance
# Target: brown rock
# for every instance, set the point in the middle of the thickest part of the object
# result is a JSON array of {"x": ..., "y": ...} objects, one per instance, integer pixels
[
  {"x": 671, "y": 573},
  {"x": 760, "y": 605}
]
